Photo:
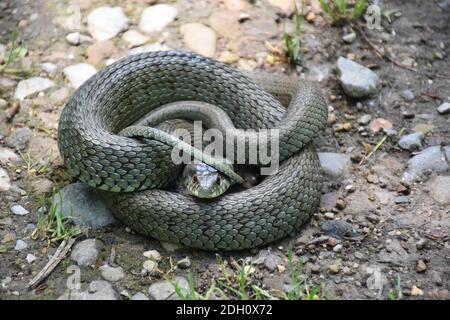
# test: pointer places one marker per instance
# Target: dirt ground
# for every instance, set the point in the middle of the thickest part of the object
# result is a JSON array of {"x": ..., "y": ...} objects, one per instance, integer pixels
[{"x": 399, "y": 244}]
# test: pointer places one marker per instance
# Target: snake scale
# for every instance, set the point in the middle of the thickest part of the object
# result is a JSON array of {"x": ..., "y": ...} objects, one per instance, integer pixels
[{"x": 133, "y": 174}]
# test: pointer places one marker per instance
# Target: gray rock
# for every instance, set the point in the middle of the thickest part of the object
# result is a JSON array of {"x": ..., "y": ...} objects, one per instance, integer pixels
[
  {"x": 394, "y": 253},
  {"x": 30, "y": 258},
  {"x": 334, "y": 164},
  {"x": 106, "y": 22},
  {"x": 408, "y": 95},
  {"x": 111, "y": 274},
  {"x": 134, "y": 38},
  {"x": 338, "y": 229},
  {"x": 5, "y": 181},
  {"x": 444, "y": 108},
  {"x": 436, "y": 277},
  {"x": 357, "y": 80},
  {"x": 98, "y": 290},
  {"x": 31, "y": 86},
  {"x": 412, "y": 141},
  {"x": 20, "y": 245},
  {"x": 270, "y": 259},
  {"x": 199, "y": 38},
  {"x": 8, "y": 156},
  {"x": 401, "y": 200},
  {"x": 85, "y": 206},
  {"x": 365, "y": 119},
  {"x": 19, "y": 139},
  {"x": 165, "y": 290},
  {"x": 139, "y": 296},
  {"x": 85, "y": 253},
  {"x": 152, "y": 255},
  {"x": 431, "y": 159},
  {"x": 76, "y": 38},
  {"x": 156, "y": 18},
  {"x": 77, "y": 74},
  {"x": 60, "y": 96},
  {"x": 440, "y": 189},
  {"x": 19, "y": 210}
]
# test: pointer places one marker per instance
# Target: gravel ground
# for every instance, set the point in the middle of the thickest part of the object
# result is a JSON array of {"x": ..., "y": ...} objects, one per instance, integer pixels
[{"x": 383, "y": 228}]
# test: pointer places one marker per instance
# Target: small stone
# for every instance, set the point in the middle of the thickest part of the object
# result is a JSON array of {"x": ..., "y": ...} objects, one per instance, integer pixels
[
  {"x": 106, "y": 22},
  {"x": 281, "y": 268},
  {"x": 408, "y": 95},
  {"x": 431, "y": 159},
  {"x": 199, "y": 38},
  {"x": 156, "y": 18},
  {"x": 5, "y": 181},
  {"x": 111, "y": 274},
  {"x": 20, "y": 245},
  {"x": 311, "y": 16},
  {"x": 421, "y": 243},
  {"x": 134, "y": 38},
  {"x": 331, "y": 118},
  {"x": 439, "y": 188},
  {"x": 139, "y": 296},
  {"x": 60, "y": 96},
  {"x": 337, "y": 248},
  {"x": 333, "y": 164},
  {"x": 19, "y": 210},
  {"x": 356, "y": 80},
  {"x": 341, "y": 204},
  {"x": 315, "y": 268},
  {"x": 444, "y": 108},
  {"x": 165, "y": 290},
  {"x": 171, "y": 247},
  {"x": 31, "y": 86},
  {"x": 415, "y": 291},
  {"x": 338, "y": 229},
  {"x": 378, "y": 124},
  {"x": 75, "y": 38},
  {"x": 152, "y": 255},
  {"x": 401, "y": 200},
  {"x": 349, "y": 38},
  {"x": 334, "y": 268},
  {"x": 423, "y": 128},
  {"x": 184, "y": 263},
  {"x": 365, "y": 119},
  {"x": 148, "y": 266},
  {"x": 77, "y": 74},
  {"x": 372, "y": 178},
  {"x": 50, "y": 68},
  {"x": 412, "y": 141},
  {"x": 99, "y": 51},
  {"x": 436, "y": 277},
  {"x": 30, "y": 258},
  {"x": 329, "y": 215},
  {"x": 228, "y": 57},
  {"x": 85, "y": 253},
  {"x": 421, "y": 266}
]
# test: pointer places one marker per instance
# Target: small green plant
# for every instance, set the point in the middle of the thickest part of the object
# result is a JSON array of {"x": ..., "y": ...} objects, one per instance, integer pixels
[
  {"x": 54, "y": 226},
  {"x": 293, "y": 41},
  {"x": 33, "y": 166},
  {"x": 15, "y": 52},
  {"x": 396, "y": 294},
  {"x": 340, "y": 11}
]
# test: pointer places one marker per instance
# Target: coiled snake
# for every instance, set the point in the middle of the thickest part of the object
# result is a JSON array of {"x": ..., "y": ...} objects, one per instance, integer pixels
[{"x": 133, "y": 173}]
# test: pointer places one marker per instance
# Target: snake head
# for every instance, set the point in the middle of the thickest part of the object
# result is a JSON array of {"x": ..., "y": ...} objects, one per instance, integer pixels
[{"x": 203, "y": 181}]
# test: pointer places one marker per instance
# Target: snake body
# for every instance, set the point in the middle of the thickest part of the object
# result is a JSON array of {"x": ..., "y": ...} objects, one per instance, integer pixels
[{"x": 133, "y": 173}]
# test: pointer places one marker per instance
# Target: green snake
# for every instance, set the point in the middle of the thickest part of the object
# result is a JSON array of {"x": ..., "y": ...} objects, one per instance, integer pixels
[{"x": 134, "y": 173}]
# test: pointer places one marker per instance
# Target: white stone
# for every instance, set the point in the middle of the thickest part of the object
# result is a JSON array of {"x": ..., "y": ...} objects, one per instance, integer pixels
[
  {"x": 49, "y": 67},
  {"x": 152, "y": 255},
  {"x": 199, "y": 38},
  {"x": 157, "y": 17},
  {"x": 5, "y": 182},
  {"x": 7, "y": 156},
  {"x": 19, "y": 210},
  {"x": 20, "y": 245},
  {"x": 112, "y": 274},
  {"x": 106, "y": 22},
  {"x": 134, "y": 38},
  {"x": 149, "y": 48},
  {"x": 79, "y": 73},
  {"x": 33, "y": 85},
  {"x": 30, "y": 258}
]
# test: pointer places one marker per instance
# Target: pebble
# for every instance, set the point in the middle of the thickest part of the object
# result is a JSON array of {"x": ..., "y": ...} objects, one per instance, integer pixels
[
  {"x": 60, "y": 96},
  {"x": 98, "y": 51},
  {"x": 3, "y": 103},
  {"x": 134, "y": 38},
  {"x": 111, "y": 274},
  {"x": 424, "y": 128},
  {"x": 26, "y": 88},
  {"x": 139, "y": 296},
  {"x": 334, "y": 268},
  {"x": 337, "y": 248},
  {"x": 378, "y": 124},
  {"x": 421, "y": 243},
  {"x": 415, "y": 291},
  {"x": 165, "y": 290},
  {"x": 412, "y": 141},
  {"x": 106, "y": 22},
  {"x": 349, "y": 38},
  {"x": 85, "y": 253},
  {"x": 365, "y": 119},
  {"x": 76, "y": 38},
  {"x": 228, "y": 57},
  {"x": 329, "y": 215},
  {"x": 271, "y": 260},
  {"x": 19, "y": 210},
  {"x": 436, "y": 277},
  {"x": 333, "y": 164},
  {"x": 338, "y": 229},
  {"x": 421, "y": 266},
  {"x": 49, "y": 67},
  {"x": 199, "y": 38},
  {"x": 148, "y": 266},
  {"x": 157, "y": 17},
  {"x": 152, "y": 255},
  {"x": 30, "y": 258},
  {"x": 408, "y": 95},
  {"x": 401, "y": 200},
  {"x": 184, "y": 263},
  {"x": 444, "y": 108},
  {"x": 340, "y": 204},
  {"x": 20, "y": 245},
  {"x": 357, "y": 80},
  {"x": 77, "y": 74},
  {"x": 85, "y": 206},
  {"x": 439, "y": 188},
  {"x": 5, "y": 181}
]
